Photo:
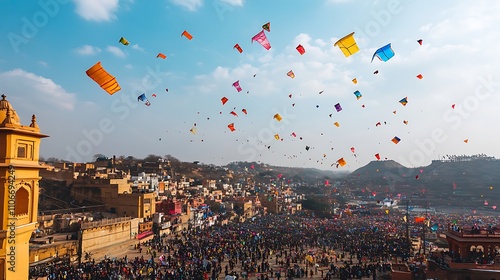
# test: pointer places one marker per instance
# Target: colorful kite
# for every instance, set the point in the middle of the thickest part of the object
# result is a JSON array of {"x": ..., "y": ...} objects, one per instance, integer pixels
[
  {"x": 233, "y": 113},
  {"x": 405, "y": 122},
  {"x": 338, "y": 107},
  {"x": 419, "y": 219},
  {"x": 341, "y": 162},
  {"x": 187, "y": 35},
  {"x": 267, "y": 27},
  {"x": 420, "y": 77},
  {"x": 277, "y": 136},
  {"x": 231, "y": 126},
  {"x": 378, "y": 124},
  {"x": 354, "y": 81},
  {"x": 236, "y": 85},
  {"x": 103, "y": 78},
  {"x": 404, "y": 101},
  {"x": 262, "y": 39},
  {"x": 377, "y": 156},
  {"x": 466, "y": 141},
  {"x": 336, "y": 124},
  {"x": 193, "y": 129},
  {"x": 244, "y": 111},
  {"x": 124, "y": 41},
  {"x": 278, "y": 117},
  {"x": 224, "y": 100},
  {"x": 384, "y": 53},
  {"x": 420, "y": 41},
  {"x": 301, "y": 49},
  {"x": 160, "y": 55},
  {"x": 347, "y": 45},
  {"x": 144, "y": 99},
  {"x": 358, "y": 94},
  {"x": 290, "y": 74},
  {"x": 353, "y": 150},
  {"x": 293, "y": 134},
  {"x": 396, "y": 140},
  {"x": 237, "y": 46}
]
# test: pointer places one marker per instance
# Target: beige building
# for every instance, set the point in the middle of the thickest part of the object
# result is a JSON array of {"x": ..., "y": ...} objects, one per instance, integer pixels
[{"x": 115, "y": 195}]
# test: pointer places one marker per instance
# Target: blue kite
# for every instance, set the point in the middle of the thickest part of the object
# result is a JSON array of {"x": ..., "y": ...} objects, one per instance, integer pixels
[
  {"x": 384, "y": 53},
  {"x": 358, "y": 94}
]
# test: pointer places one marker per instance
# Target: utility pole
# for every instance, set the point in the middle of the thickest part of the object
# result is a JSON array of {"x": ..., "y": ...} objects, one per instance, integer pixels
[{"x": 408, "y": 227}]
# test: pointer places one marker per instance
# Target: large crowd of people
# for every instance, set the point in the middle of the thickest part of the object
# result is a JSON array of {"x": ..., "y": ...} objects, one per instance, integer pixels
[{"x": 265, "y": 247}]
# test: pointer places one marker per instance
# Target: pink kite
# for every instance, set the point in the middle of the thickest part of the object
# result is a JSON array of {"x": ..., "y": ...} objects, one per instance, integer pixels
[
  {"x": 237, "y": 85},
  {"x": 262, "y": 39}
]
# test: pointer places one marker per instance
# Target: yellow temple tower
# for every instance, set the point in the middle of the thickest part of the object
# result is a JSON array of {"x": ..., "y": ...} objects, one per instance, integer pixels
[{"x": 19, "y": 167}]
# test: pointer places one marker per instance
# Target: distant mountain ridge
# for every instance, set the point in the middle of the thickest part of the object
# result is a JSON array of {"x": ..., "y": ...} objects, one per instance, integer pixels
[{"x": 468, "y": 174}]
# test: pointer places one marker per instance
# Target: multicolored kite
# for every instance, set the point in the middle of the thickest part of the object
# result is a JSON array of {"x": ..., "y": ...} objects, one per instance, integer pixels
[
  {"x": 338, "y": 107},
  {"x": 267, "y": 27},
  {"x": 237, "y": 46},
  {"x": 236, "y": 85},
  {"x": 384, "y": 53},
  {"x": 124, "y": 41},
  {"x": 262, "y": 39},
  {"x": 358, "y": 94},
  {"x": 347, "y": 45},
  {"x": 290, "y": 74}
]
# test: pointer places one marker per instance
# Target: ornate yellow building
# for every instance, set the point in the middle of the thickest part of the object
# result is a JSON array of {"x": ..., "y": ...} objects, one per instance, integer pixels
[{"x": 19, "y": 167}]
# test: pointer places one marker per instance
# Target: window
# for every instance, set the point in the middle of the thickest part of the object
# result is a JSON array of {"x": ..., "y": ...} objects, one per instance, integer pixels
[
  {"x": 22, "y": 202},
  {"x": 21, "y": 151},
  {"x": 24, "y": 150}
]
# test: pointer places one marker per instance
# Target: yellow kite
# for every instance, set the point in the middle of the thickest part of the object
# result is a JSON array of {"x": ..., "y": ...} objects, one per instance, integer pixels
[
  {"x": 278, "y": 117},
  {"x": 103, "y": 78},
  {"x": 347, "y": 45}
]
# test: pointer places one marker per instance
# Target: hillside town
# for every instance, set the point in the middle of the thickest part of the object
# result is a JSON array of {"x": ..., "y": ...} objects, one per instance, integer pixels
[{"x": 136, "y": 199}]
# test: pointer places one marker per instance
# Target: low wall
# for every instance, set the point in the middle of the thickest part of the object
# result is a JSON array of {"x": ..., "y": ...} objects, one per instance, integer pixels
[
  {"x": 43, "y": 252},
  {"x": 100, "y": 236}
]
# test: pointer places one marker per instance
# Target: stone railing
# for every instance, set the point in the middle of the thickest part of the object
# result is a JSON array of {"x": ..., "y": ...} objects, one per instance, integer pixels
[{"x": 104, "y": 222}]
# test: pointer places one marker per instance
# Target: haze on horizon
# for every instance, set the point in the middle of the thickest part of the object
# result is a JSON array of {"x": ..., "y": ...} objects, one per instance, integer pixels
[{"x": 47, "y": 46}]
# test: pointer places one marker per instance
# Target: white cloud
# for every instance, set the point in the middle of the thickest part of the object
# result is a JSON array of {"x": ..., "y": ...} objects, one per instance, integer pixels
[
  {"x": 190, "y": 5},
  {"x": 116, "y": 51},
  {"x": 43, "y": 90},
  {"x": 87, "y": 50},
  {"x": 43, "y": 63},
  {"x": 234, "y": 2},
  {"x": 137, "y": 47},
  {"x": 97, "y": 10}
]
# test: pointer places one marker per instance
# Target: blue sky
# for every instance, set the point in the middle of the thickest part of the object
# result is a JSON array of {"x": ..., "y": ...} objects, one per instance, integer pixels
[{"x": 47, "y": 46}]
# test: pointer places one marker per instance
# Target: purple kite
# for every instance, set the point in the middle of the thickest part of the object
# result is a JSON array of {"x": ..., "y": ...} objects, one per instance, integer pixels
[
  {"x": 237, "y": 85},
  {"x": 338, "y": 107},
  {"x": 262, "y": 39}
]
